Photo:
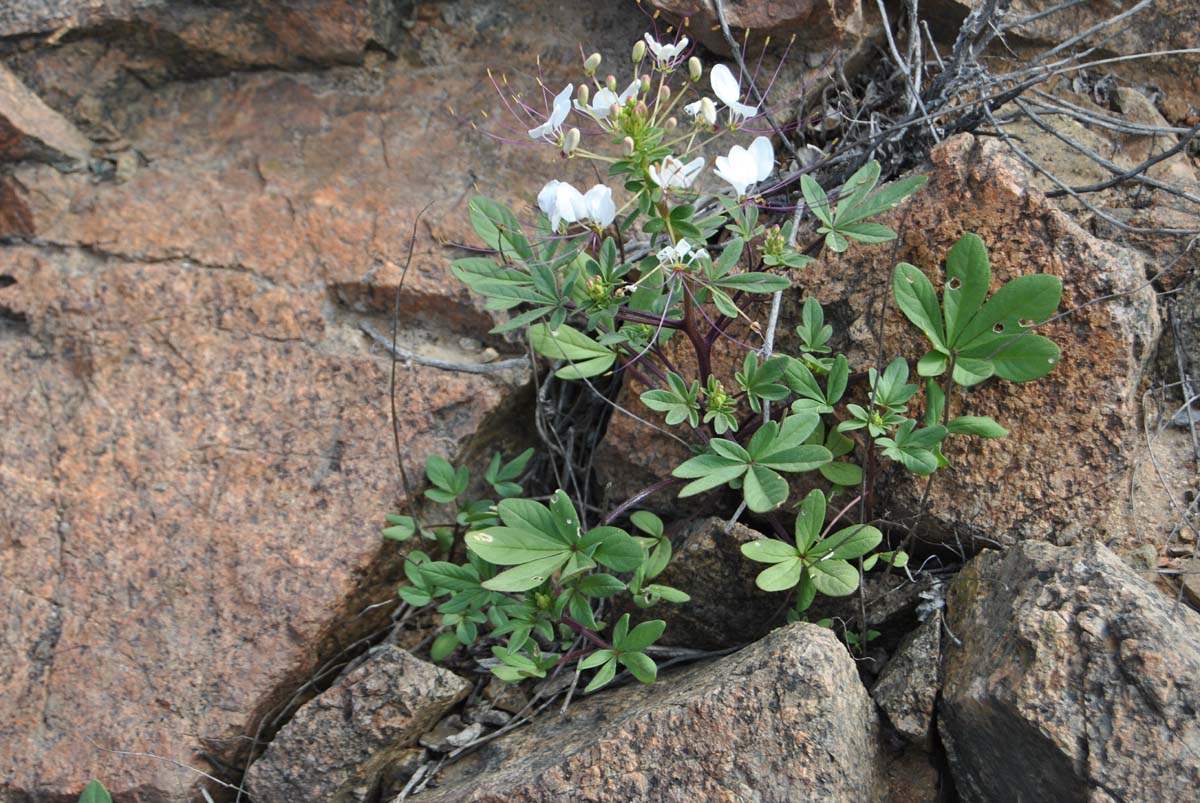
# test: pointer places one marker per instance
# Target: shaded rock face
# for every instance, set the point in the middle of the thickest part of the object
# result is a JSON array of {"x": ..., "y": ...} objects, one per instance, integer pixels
[
  {"x": 197, "y": 450},
  {"x": 783, "y": 720},
  {"x": 1060, "y": 473},
  {"x": 908, "y": 685},
  {"x": 726, "y": 608},
  {"x": 1076, "y": 680},
  {"x": 335, "y": 745}
]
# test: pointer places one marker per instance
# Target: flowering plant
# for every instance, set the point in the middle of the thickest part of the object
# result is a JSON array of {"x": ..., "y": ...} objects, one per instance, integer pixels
[{"x": 631, "y": 279}]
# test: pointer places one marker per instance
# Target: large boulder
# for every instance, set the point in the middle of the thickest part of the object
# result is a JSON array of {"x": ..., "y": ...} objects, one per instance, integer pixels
[
  {"x": 785, "y": 719},
  {"x": 1060, "y": 474},
  {"x": 1075, "y": 680},
  {"x": 197, "y": 448}
]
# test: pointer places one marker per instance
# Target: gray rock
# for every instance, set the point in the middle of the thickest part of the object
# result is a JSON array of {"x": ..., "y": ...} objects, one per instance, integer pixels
[
  {"x": 785, "y": 719},
  {"x": 335, "y": 745},
  {"x": 907, "y": 687},
  {"x": 1076, "y": 681}
]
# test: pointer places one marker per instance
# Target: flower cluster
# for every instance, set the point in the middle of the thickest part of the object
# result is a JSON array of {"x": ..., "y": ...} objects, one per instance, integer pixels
[{"x": 657, "y": 154}]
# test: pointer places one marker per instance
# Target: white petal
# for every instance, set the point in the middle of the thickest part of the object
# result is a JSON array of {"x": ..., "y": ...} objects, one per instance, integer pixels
[
  {"x": 692, "y": 109},
  {"x": 692, "y": 169},
  {"x": 631, "y": 90},
  {"x": 724, "y": 85},
  {"x": 764, "y": 157},
  {"x": 599, "y": 205},
  {"x": 547, "y": 202},
  {"x": 654, "y": 174},
  {"x": 562, "y": 106}
]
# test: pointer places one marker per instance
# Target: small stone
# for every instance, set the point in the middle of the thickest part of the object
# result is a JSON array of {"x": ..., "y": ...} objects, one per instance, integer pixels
[
  {"x": 470, "y": 345},
  {"x": 438, "y": 739},
  {"x": 489, "y": 354},
  {"x": 508, "y": 697}
]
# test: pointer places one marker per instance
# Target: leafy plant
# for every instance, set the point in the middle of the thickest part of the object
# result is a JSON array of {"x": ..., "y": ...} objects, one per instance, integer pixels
[{"x": 645, "y": 285}]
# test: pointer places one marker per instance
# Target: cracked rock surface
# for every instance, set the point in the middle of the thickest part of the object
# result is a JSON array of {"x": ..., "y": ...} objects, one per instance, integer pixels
[
  {"x": 197, "y": 454},
  {"x": 1076, "y": 681}
]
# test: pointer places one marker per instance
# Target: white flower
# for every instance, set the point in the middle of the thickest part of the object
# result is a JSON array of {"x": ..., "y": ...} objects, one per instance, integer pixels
[
  {"x": 703, "y": 109},
  {"x": 676, "y": 254},
  {"x": 552, "y": 128},
  {"x": 674, "y": 173},
  {"x": 746, "y": 166},
  {"x": 665, "y": 55},
  {"x": 605, "y": 99},
  {"x": 598, "y": 206},
  {"x": 562, "y": 203},
  {"x": 728, "y": 91}
]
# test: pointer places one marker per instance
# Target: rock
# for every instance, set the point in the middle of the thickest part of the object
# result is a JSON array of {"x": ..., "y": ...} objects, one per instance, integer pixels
[
  {"x": 29, "y": 129},
  {"x": 786, "y": 714},
  {"x": 197, "y": 455},
  {"x": 1087, "y": 407},
  {"x": 342, "y": 739},
  {"x": 1076, "y": 680},
  {"x": 908, "y": 685}
]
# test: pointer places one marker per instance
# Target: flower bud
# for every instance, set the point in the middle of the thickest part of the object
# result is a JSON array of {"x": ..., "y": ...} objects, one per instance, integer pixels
[
  {"x": 664, "y": 94},
  {"x": 591, "y": 63},
  {"x": 629, "y": 146},
  {"x": 585, "y": 92},
  {"x": 672, "y": 122},
  {"x": 639, "y": 52},
  {"x": 641, "y": 109},
  {"x": 645, "y": 83},
  {"x": 570, "y": 142},
  {"x": 695, "y": 69},
  {"x": 611, "y": 83},
  {"x": 708, "y": 111}
]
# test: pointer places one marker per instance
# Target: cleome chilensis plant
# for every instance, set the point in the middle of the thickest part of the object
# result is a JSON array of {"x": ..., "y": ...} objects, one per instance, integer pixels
[{"x": 643, "y": 276}]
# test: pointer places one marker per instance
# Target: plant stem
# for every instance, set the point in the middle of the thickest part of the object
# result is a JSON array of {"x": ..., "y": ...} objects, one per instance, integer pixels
[
  {"x": 583, "y": 631},
  {"x": 649, "y": 490}
]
